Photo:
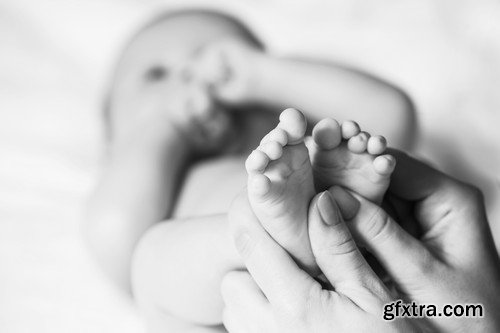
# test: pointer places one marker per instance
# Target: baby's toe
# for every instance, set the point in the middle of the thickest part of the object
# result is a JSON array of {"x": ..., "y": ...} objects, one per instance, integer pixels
[
  {"x": 358, "y": 143},
  {"x": 349, "y": 129},
  {"x": 384, "y": 165},
  {"x": 256, "y": 162},
  {"x": 258, "y": 185},
  {"x": 376, "y": 145},
  {"x": 272, "y": 149},
  {"x": 277, "y": 135},
  {"x": 294, "y": 123},
  {"x": 327, "y": 134}
]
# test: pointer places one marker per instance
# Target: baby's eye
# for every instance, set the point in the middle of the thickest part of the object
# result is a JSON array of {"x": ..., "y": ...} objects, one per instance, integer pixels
[{"x": 156, "y": 73}]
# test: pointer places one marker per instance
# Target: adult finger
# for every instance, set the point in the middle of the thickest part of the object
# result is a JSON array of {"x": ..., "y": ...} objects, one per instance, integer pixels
[
  {"x": 436, "y": 195},
  {"x": 414, "y": 180},
  {"x": 347, "y": 203},
  {"x": 272, "y": 268},
  {"x": 402, "y": 212},
  {"x": 401, "y": 254},
  {"x": 334, "y": 248}
]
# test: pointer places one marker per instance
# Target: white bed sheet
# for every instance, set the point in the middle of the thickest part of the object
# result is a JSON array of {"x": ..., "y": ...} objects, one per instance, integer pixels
[{"x": 54, "y": 60}]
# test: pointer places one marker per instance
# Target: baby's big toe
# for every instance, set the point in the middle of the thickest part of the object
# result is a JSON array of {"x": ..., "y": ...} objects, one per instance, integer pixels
[
  {"x": 294, "y": 123},
  {"x": 327, "y": 134}
]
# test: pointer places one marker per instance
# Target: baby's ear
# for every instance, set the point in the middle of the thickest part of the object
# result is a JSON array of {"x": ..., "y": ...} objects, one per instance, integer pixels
[{"x": 348, "y": 204}]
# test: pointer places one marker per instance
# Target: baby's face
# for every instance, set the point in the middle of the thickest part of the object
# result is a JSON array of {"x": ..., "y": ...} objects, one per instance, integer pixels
[
  {"x": 168, "y": 52},
  {"x": 156, "y": 77},
  {"x": 160, "y": 63}
]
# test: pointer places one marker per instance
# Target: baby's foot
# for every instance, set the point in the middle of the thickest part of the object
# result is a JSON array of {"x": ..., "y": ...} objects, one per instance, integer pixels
[
  {"x": 345, "y": 156},
  {"x": 280, "y": 185}
]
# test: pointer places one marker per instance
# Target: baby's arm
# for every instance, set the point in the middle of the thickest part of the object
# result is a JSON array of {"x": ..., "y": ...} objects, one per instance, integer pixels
[
  {"x": 330, "y": 90},
  {"x": 136, "y": 190},
  {"x": 177, "y": 271},
  {"x": 321, "y": 89}
]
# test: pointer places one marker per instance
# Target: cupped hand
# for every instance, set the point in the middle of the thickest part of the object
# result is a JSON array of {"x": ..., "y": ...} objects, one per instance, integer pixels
[
  {"x": 452, "y": 259},
  {"x": 275, "y": 295}
]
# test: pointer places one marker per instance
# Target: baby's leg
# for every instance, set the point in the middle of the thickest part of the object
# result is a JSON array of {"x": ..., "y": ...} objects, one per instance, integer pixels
[
  {"x": 280, "y": 186},
  {"x": 136, "y": 190},
  {"x": 158, "y": 120},
  {"x": 177, "y": 271},
  {"x": 343, "y": 155}
]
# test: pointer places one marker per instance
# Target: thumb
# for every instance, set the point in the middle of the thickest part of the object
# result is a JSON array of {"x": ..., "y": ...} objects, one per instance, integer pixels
[
  {"x": 402, "y": 255},
  {"x": 334, "y": 248},
  {"x": 272, "y": 268}
]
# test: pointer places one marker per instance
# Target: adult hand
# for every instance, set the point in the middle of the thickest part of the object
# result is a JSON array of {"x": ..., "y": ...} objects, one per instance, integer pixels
[
  {"x": 453, "y": 258},
  {"x": 280, "y": 297}
]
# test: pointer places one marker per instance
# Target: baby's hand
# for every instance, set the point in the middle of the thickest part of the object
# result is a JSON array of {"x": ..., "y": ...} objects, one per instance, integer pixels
[
  {"x": 230, "y": 69},
  {"x": 205, "y": 125},
  {"x": 186, "y": 111}
]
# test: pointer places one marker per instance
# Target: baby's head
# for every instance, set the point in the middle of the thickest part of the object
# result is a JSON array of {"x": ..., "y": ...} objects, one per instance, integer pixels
[{"x": 156, "y": 64}]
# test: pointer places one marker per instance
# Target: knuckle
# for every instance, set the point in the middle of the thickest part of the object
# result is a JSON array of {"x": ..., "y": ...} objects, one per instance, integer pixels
[
  {"x": 379, "y": 225},
  {"x": 468, "y": 196},
  {"x": 468, "y": 191},
  {"x": 475, "y": 194},
  {"x": 345, "y": 245},
  {"x": 291, "y": 309},
  {"x": 294, "y": 310},
  {"x": 313, "y": 295},
  {"x": 425, "y": 264},
  {"x": 301, "y": 309}
]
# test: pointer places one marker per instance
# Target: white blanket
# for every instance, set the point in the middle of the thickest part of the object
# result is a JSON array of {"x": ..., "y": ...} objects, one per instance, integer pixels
[{"x": 54, "y": 60}]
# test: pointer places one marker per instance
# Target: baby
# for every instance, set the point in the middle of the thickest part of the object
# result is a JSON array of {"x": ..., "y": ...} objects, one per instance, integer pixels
[{"x": 193, "y": 95}]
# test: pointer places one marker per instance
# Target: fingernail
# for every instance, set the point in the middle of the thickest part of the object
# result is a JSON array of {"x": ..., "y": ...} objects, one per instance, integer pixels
[
  {"x": 328, "y": 212},
  {"x": 347, "y": 203}
]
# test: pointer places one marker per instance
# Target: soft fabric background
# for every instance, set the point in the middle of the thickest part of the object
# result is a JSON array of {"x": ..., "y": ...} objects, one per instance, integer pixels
[{"x": 55, "y": 57}]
